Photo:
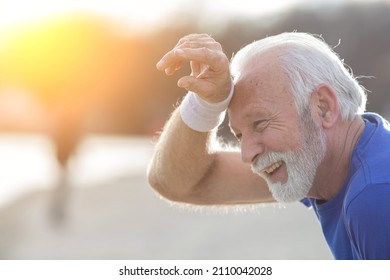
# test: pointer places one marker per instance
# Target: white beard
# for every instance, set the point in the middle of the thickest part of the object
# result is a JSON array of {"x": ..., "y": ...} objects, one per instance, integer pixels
[{"x": 301, "y": 164}]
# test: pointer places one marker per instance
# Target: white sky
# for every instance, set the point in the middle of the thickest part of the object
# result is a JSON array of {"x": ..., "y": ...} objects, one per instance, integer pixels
[{"x": 142, "y": 12}]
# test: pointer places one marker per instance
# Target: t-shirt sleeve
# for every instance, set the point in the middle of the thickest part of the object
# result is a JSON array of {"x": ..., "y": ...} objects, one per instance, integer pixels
[
  {"x": 307, "y": 202},
  {"x": 368, "y": 222}
]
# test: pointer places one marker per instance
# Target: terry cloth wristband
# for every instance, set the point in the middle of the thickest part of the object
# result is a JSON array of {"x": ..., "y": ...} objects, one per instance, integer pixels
[{"x": 202, "y": 116}]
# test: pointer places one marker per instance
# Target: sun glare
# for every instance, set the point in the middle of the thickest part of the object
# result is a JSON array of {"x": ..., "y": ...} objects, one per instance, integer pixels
[
  {"x": 142, "y": 13},
  {"x": 135, "y": 12},
  {"x": 19, "y": 12}
]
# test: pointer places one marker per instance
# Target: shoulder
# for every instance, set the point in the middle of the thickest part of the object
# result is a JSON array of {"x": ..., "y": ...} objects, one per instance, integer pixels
[
  {"x": 367, "y": 222},
  {"x": 373, "y": 199},
  {"x": 369, "y": 163},
  {"x": 368, "y": 213}
]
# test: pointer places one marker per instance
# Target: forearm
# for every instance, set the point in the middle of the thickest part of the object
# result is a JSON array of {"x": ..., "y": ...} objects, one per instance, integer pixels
[
  {"x": 183, "y": 167},
  {"x": 181, "y": 159}
]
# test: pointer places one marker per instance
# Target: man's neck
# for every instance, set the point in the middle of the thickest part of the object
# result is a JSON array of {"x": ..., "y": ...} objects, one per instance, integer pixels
[{"x": 333, "y": 171}]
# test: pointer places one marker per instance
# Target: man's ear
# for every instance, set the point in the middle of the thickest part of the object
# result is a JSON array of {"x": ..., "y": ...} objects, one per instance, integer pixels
[{"x": 324, "y": 104}]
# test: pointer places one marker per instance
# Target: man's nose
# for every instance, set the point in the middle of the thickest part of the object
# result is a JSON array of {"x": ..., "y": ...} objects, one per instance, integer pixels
[{"x": 250, "y": 149}]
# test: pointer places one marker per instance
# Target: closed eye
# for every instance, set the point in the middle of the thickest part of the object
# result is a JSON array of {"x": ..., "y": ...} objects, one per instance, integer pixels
[{"x": 260, "y": 125}]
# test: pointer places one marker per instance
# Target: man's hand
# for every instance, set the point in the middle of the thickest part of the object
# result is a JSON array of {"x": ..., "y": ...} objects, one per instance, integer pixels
[{"x": 210, "y": 76}]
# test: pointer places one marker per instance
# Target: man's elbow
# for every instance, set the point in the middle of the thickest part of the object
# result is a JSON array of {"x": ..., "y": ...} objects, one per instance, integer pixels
[
  {"x": 165, "y": 190},
  {"x": 152, "y": 178}
]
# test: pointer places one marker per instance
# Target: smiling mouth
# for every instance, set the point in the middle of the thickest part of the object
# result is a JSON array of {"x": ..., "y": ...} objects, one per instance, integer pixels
[{"x": 273, "y": 168}]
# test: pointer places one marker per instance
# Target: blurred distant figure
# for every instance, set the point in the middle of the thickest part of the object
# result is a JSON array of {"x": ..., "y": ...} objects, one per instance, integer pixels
[
  {"x": 299, "y": 117},
  {"x": 66, "y": 133}
]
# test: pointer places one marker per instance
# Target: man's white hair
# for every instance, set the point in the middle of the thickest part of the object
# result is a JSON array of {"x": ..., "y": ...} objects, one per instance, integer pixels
[{"x": 308, "y": 62}]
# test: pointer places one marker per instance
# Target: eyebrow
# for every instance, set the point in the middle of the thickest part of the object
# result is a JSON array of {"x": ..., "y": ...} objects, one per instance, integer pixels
[{"x": 258, "y": 110}]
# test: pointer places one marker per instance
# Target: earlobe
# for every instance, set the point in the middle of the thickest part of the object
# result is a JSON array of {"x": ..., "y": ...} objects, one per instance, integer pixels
[{"x": 326, "y": 104}]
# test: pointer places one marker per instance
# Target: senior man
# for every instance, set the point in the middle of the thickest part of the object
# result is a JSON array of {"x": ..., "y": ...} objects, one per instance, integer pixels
[{"x": 298, "y": 114}]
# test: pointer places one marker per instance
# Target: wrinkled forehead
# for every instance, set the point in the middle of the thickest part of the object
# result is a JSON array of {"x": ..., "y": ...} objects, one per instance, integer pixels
[
  {"x": 264, "y": 79},
  {"x": 262, "y": 67},
  {"x": 261, "y": 84}
]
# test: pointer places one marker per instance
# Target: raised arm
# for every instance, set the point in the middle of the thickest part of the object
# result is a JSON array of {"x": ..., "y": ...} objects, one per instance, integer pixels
[{"x": 185, "y": 166}]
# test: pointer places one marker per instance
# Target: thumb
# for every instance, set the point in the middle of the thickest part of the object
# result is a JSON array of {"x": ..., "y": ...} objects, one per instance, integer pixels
[{"x": 188, "y": 83}]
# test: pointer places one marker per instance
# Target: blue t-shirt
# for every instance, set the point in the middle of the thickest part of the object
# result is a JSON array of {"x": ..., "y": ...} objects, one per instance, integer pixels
[{"x": 356, "y": 222}]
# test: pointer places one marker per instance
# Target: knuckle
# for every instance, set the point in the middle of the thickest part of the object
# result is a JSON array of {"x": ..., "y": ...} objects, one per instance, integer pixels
[
  {"x": 219, "y": 60},
  {"x": 195, "y": 38},
  {"x": 204, "y": 35},
  {"x": 217, "y": 45},
  {"x": 223, "y": 59},
  {"x": 187, "y": 44},
  {"x": 207, "y": 53},
  {"x": 184, "y": 39}
]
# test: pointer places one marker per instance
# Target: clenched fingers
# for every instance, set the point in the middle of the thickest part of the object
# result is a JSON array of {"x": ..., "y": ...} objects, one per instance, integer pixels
[
  {"x": 195, "y": 47},
  {"x": 210, "y": 74},
  {"x": 215, "y": 60}
]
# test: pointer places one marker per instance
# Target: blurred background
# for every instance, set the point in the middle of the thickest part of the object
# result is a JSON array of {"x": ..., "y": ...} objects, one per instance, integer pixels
[{"x": 81, "y": 104}]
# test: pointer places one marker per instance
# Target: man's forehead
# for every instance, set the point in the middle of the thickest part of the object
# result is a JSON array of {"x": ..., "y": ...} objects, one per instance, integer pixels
[
  {"x": 267, "y": 82},
  {"x": 268, "y": 74},
  {"x": 260, "y": 88}
]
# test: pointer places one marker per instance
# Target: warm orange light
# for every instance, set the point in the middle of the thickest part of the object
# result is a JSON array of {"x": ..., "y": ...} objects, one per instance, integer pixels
[{"x": 77, "y": 57}]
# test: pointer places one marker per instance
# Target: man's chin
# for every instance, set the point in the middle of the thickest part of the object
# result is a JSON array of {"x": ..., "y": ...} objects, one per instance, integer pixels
[{"x": 285, "y": 194}]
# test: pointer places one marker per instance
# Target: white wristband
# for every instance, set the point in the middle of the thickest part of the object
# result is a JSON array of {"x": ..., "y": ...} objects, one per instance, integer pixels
[{"x": 202, "y": 116}]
